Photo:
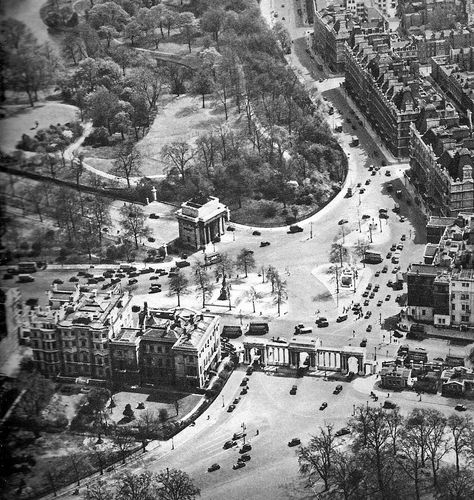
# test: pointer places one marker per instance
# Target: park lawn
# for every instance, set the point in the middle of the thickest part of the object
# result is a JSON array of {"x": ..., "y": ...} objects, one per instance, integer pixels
[{"x": 21, "y": 119}]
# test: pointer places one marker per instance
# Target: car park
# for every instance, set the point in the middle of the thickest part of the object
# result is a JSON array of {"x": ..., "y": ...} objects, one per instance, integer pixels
[
  {"x": 323, "y": 406},
  {"x": 294, "y": 442},
  {"x": 213, "y": 468},
  {"x": 342, "y": 432}
]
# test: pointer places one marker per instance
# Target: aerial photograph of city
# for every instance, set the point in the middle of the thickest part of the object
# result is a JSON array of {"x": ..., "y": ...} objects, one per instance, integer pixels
[{"x": 236, "y": 249}]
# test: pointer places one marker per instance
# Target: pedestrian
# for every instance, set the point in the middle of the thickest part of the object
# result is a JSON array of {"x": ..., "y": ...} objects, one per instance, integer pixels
[
  {"x": 208, "y": 417},
  {"x": 388, "y": 395},
  {"x": 257, "y": 432}
]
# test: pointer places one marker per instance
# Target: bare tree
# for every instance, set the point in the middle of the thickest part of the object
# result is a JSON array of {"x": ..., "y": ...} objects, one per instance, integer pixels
[
  {"x": 178, "y": 285},
  {"x": 123, "y": 441},
  {"x": 315, "y": 460},
  {"x": 280, "y": 293},
  {"x": 99, "y": 490},
  {"x": 436, "y": 440},
  {"x": 245, "y": 261},
  {"x": 133, "y": 222},
  {"x": 202, "y": 281},
  {"x": 128, "y": 162},
  {"x": 394, "y": 424},
  {"x": 460, "y": 427},
  {"x": 175, "y": 485},
  {"x": 178, "y": 155},
  {"x": 253, "y": 296}
]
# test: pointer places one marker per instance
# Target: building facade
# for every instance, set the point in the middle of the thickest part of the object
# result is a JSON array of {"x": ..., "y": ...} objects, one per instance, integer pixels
[
  {"x": 11, "y": 309},
  {"x": 201, "y": 221},
  {"x": 172, "y": 348}
]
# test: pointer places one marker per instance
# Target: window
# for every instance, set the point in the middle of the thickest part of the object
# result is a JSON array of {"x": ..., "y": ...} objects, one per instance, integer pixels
[
  {"x": 464, "y": 296},
  {"x": 465, "y": 319},
  {"x": 423, "y": 312},
  {"x": 464, "y": 284}
]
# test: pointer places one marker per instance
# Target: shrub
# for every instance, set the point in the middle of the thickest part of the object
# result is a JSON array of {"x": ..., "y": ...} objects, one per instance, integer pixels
[
  {"x": 98, "y": 137},
  {"x": 268, "y": 209},
  {"x": 163, "y": 415}
]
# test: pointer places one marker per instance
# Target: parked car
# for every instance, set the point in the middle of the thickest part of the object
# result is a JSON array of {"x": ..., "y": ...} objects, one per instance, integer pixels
[
  {"x": 372, "y": 295},
  {"x": 256, "y": 233},
  {"x": 245, "y": 448},
  {"x": 293, "y": 390},
  {"x": 182, "y": 263},
  {"x": 402, "y": 219},
  {"x": 294, "y": 442},
  {"x": 363, "y": 343},
  {"x": 368, "y": 314},
  {"x": 213, "y": 467},
  {"x": 338, "y": 389},
  {"x": 341, "y": 318},
  {"x": 388, "y": 173},
  {"x": 132, "y": 281},
  {"x": 403, "y": 238},
  {"x": 244, "y": 458},
  {"x": 154, "y": 216},
  {"x": 244, "y": 391},
  {"x": 393, "y": 247},
  {"x": 377, "y": 274},
  {"x": 376, "y": 288},
  {"x": 460, "y": 408},
  {"x": 343, "y": 221},
  {"x": 323, "y": 406},
  {"x": 366, "y": 303},
  {"x": 236, "y": 401},
  {"x": 365, "y": 294},
  {"x": 229, "y": 444},
  {"x": 238, "y": 465},
  {"x": 388, "y": 297},
  {"x": 385, "y": 269},
  {"x": 231, "y": 408},
  {"x": 342, "y": 432},
  {"x": 154, "y": 277},
  {"x": 367, "y": 182},
  {"x": 295, "y": 229},
  {"x": 368, "y": 329},
  {"x": 389, "y": 255},
  {"x": 379, "y": 303},
  {"x": 264, "y": 243},
  {"x": 388, "y": 405},
  {"x": 249, "y": 370},
  {"x": 400, "y": 246}
]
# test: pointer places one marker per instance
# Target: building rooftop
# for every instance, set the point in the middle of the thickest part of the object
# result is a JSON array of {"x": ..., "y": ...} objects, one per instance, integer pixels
[
  {"x": 423, "y": 269},
  {"x": 440, "y": 221},
  {"x": 127, "y": 336}
]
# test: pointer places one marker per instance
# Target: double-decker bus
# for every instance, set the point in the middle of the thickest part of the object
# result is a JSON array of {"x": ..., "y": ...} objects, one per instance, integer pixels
[{"x": 27, "y": 267}]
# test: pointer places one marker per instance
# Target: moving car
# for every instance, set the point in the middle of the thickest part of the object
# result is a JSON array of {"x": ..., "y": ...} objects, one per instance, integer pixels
[
  {"x": 244, "y": 458},
  {"x": 379, "y": 303},
  {"x": 388, "y": 405},
  {"x": 213, "y": 467},
  {"x": 342, "y": 432},
  {"x": 231, "y": 408},
  {"x": 368, "y": 329},
  {"x": 245, "y": 448},
  {"x": 341, "y": 318},
  {"x": 256, "y": 233},
  {"x": 368, "y": 314},
  {"x": 343, "y": 221},
  {"x": 229, "y": 444},
  {"x": 294, "y": 442},
  {"x": 236, "y": 401},
  {"x": 363, "y": 342},
  {"x": 338, "y": 389},
  {"x": 295, "y": 229},
  {"x": 238, "y": 465},
  {"x": 323, "y": 406},
  {"x": 264, "y": 243}
]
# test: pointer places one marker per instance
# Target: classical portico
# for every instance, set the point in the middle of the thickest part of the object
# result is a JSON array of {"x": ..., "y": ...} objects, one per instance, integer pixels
[
  {"x": 201, "y": 220},
  {"x": 305, "y": 353}
]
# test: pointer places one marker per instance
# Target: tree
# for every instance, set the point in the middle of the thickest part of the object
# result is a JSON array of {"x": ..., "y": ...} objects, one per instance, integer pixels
[
  {"x": 436, "y": 440},
  {"x": 202, "y": 84},
  {"x": 410, "y": 457},
  {"x": 213, "y": 21},
  {"x": 188, "y": 26},
  {"x": 394, "y": 424},
  {"x": 101, "y": 107},
  {"x": 163, "y": 415},
  {"x": 202, "y": 281},
  {"x": 123, "y": 441},
  {"x": 280, "y": 293},
  {"x": 456, "y": 484},
  {"x": 177, "y": 155},
  {"x": 338, "y": 253},
  {"x": 133, "y": 222},
  {"x": 148, "y": 424},
  {"x": 108, "y": 33},
  {"x": 107, "y": 14},
  {"x": 178, "y": 285},
  {"x": 360, "y": 250},
  {"x": 253, "y": 296},
  {"x": 347, "y": 475},
  {"x": 176, "y": 485},
  {"x": 136, "y": 486},
  {"x": 128, "y": 162},
  {"x": 245, "y": 261},
  {"x": 283, "y": 36},
  {"x": 133, "y": 30},
  {"x": 315, "y": 459},
  {"x": 460, "y": 427},
  {"x": 272, "y": 276},
  {"x": 99, "y": 490}
]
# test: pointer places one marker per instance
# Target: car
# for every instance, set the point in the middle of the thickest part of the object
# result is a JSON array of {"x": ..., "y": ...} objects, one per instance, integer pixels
[
  {"x": 245, "y": 448},
  {"x": 383, "y": 216},
  {"x": 154, "y": 216},
  {"x": 249, "y": 370},
  {"x": 154, "y": 290},
  {"x": 238, "y": 465},
  {"x": 264, "y": 243},
  {"x": 389, "y": 283},
  {"x": 342, "y": 432},
  {"x": 8, "y": 276},
  {"x": 439, "y": 359},
  {"x": 402, "y": 219},
  {"x": 58, "y": 281},
  {"x": 367, "y": 182},
  {"x": 460, "y": 408},
  {"x": 293, "y": 390},
  {"x": 362, "y": 190},
  {"x": 73, "y": 279},
  {"x": 388, "y": 173},
  {"x": 230, "y": 228},
  {"x": 229, "y": 444},
  {"x": 356, "y": 306},
  {"x": 372, "y": 295},
  {"x": 341, "y": 318},
  {"x": 243, "y": 383},
  {"x": 131, "y": 282},
  {"x": 256, "y": 233},
  {"x": 283, "y": 19},
  {"x": 294, "y": 442},
  {"x": 397, "y": 335},
  {"x": 343, "y": 221},
  {"x": 377, "y": 274},
  {"x": 338, "y": 389},
  {"x": 323, "y": 406},
  {"x": 365, "y": 216},
  {"x": 213, "y": 467},
  {"x": 400, "y": 246},
  {"x": 236, "y": 401},
  {"x": 321, "y": 80},
  {"x": 365, "y": 294},
  {"x": 319, "y": 320},
  {"x": 379, "y": 303},
  {"x": 388, "y": 297},
  {"x": 366, "y": 302},
  {"x": 321, "y": 324},
  {"x": 368, "y": 314},
  {"x": 393, "y": 247},
  {"x": 388, "y": 405},
  {"x": 363, "y": 343},
  {"x": 384, "y": 269},
  {"x": 389, "y": 255},
  {"x": 182, "y": 263},
  {"x": 376, "y": 288},
  {"x": 295, "y": 229},
  {"x": 244, "y": 391},
  {"x": 231, "y": 408},
  {"x": 244, "y": 458},
  {"x": 154, "y": 277},
  {"x": 404, "y": 237},
  {"x": 374, "y": 172}
]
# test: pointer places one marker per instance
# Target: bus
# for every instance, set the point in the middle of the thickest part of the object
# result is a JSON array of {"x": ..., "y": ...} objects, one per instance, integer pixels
[
  {"x": 372, "y": 257},
  {"x": 27, "y": 267}
]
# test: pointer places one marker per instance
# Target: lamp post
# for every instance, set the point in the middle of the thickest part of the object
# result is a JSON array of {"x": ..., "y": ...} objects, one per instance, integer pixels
[
  {"x": 223, "y": 404},
  {"x": 375, "y": 353}
]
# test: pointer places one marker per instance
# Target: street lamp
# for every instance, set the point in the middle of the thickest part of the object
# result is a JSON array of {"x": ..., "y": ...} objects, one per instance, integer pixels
[
  {"x": 375, "y": 353},
  {"x": 223, "y": 404}
]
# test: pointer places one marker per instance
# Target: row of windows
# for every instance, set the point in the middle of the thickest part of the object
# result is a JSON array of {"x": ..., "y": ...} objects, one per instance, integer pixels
[{"x": 49, "y": 346}]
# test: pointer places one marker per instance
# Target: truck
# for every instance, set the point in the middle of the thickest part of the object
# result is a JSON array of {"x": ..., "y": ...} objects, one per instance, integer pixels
[
  {"x": 257, "y": 329},
  {"x": 212, "y": 258}
]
